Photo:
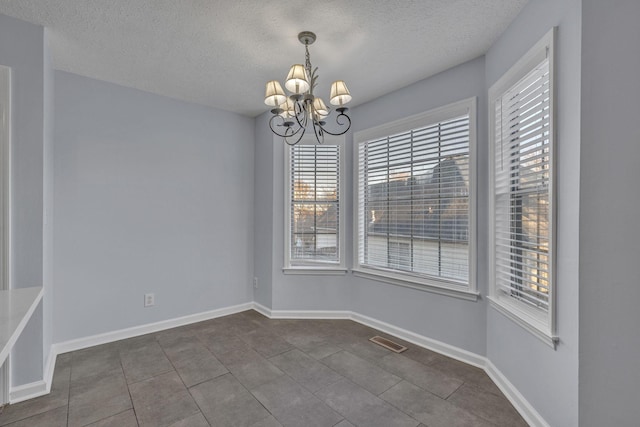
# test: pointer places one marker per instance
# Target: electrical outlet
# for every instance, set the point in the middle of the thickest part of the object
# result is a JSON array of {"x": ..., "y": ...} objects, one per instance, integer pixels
[
  {"x": 149, "y": 300},
  {"x": 255, "y": 283}
]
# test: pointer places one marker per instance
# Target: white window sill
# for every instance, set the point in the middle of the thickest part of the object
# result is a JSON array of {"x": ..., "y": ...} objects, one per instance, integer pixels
[
  {"x": 529, "y": 323},
  {"x": 315, "y": 271},
  {"x": 460, "y": 293}
]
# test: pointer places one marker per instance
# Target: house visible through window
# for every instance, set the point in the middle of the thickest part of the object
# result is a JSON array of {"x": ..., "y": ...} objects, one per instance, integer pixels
[
  {"x": 314, "y": 224},
  {"x": 414, "y": 199}
]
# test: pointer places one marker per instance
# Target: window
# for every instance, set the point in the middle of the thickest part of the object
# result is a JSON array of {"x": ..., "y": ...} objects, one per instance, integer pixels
[
  {"x": 415, "y": 200},
  {"x": 521, "y": 105},
  {"x": 314, "y": 224}
]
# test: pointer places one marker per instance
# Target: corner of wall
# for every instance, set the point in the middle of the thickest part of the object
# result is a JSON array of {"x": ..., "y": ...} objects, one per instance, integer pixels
[
  {"x": 263, "y": 212},
  {"x": 47, "y": 214}
]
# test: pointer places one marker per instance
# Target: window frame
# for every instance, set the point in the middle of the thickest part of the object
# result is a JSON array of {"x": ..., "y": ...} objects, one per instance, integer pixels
[
  {"x": 536, "y": 321},
  {"x": 457, "y": 289},
  {"x": 315, "y": 267}
]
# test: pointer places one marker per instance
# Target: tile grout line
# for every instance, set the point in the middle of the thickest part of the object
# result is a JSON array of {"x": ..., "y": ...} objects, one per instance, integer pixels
[
  {"x": 155, "y": 336},
  {"x": 454, "y": 391},
  {"x": 229, "y": 373},
  {"x": 468, "y": 379},
  {"x": 133, "y": 408},
  {"x": 69, "y": 391}
]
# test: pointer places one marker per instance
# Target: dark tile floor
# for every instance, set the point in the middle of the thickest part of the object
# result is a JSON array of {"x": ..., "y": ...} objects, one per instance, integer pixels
[{"x": 247, "y": 370}]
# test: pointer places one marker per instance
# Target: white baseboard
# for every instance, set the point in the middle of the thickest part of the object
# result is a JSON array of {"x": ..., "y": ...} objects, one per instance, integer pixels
[
  {"x": 431, "y": 344},
  {"x": 301, "y": 314},
  {"x": 39, "y": 388},
  {"x": 49, "y": 368},
  {"x": 309, "y": 314},
  {"x": 28, "y": 391},
  {"x": 42, "y": 387},
  {"x": 528, "y": 412},
  {"x": 422, "y": 341},
  {"x": 80, "y": 343},
  {"x": 36, "y": 388},
  {"x": 265, "y": 311}
]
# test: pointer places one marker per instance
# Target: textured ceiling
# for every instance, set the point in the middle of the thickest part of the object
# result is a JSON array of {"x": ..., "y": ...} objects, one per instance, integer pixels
[{"x": 221, "y": 52}]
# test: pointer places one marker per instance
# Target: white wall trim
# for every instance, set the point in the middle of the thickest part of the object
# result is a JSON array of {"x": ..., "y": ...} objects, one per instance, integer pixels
[
  {"x": 5, "y": 209},
  {"x": 107, "y": 337},
  {"x": 42, "y": 387},
  {"x": 28, "y": 391},
  {"x": 310, "y": 314},
  {"x": 292, "y": 266},
  {"x": 49, "y": 368},
  {"x": 533, "y": 320},
  {"x": 265, "y": 311},
  {"x": 301, "y": 314},
  {"x": 522, "y": 318},
  {"x": 420, "y": 285},
  {"x": 465, "y": 290},
  {"x": 36, "y": 388},
  {"x": 315, "y": 271},
  {"x": 525, "y": 409},
  {"x": 528, "y": 412},
  {"x": 422, "y": 341}
]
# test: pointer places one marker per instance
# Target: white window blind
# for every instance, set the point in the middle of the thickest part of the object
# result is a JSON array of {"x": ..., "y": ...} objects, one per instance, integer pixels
[
  {"x": 522, "y": 190},
  {"x": 314, "y": 209},
  {"x": 414, "y": 201}
]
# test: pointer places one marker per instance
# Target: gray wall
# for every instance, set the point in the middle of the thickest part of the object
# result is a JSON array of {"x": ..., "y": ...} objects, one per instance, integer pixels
[
  {"x": 150, "y": 195},
  {"x": 263, "y": 213},
  {"x": 305, "y": 292},
  {"x": 417, "y": 311},
  {"x": 136, "y": 178},
  {"x": 21, "y": 48},
  {"x": 276, "y": 290},
  {"x": 453, "y": 321},
  {"x": 609, "y": 205},
  {"x": 550, "y": 381},
  {"x": 47, "y": 222}
]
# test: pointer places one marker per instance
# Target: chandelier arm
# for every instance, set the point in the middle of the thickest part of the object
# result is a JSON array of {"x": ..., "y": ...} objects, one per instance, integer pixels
[
  {"x": 289, "y": 129},
  {"x": 298, "y": 139},
  {"x": 318, "y": 130},
  {"x": 342, "y": 114},
  {"x": 300, "y": 111}
]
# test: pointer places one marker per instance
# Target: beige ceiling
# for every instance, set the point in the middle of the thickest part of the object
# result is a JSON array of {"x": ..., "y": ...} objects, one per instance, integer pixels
[{"x": 220, "y": 53}]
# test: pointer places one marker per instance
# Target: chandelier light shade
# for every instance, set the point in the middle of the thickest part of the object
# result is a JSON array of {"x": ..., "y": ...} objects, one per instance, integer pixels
[
  {"x": 301, "y": 109},
  {"x": 288, "y": 109},
  {"x": 297, "y": 79},
  {"x": 339, "y": 93},
  {"x": 274, "y": 94},
  {"x": 320, "y": 108}
]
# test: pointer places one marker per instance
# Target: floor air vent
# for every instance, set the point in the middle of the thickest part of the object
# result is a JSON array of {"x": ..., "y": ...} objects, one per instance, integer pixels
[{"x": 388, "y": 344}]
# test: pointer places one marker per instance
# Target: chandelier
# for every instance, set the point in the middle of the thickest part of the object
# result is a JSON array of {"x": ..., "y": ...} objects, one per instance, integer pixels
[{"x": 293, "y": 114}]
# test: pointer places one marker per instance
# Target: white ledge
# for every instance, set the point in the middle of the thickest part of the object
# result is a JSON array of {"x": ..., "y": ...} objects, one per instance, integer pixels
[
  {"x": 421, "y": 286},
  {"x": 16, "y": 308},
  {"x": 505, "y": 310},
  {"x": 315, "y": 271}
]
